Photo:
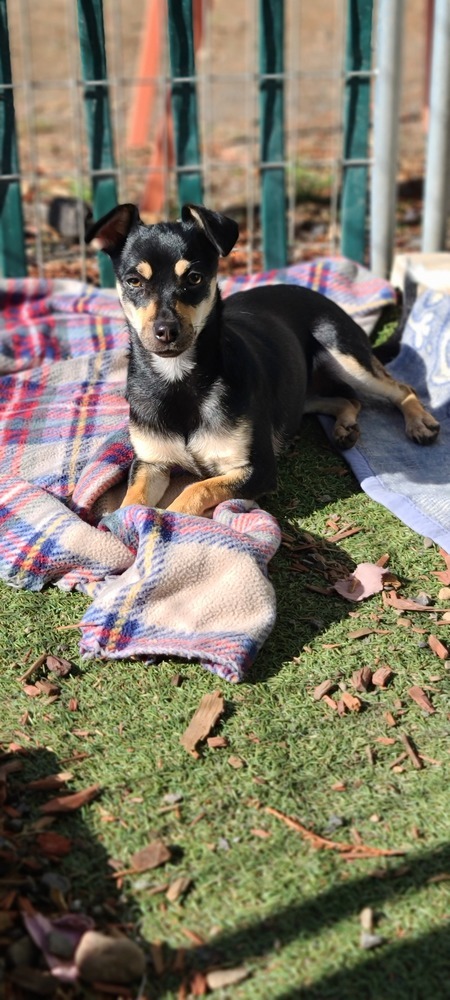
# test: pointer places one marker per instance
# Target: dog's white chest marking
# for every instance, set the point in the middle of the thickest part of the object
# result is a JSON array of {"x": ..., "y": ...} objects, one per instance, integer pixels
[{"x": 215, "y": 449}]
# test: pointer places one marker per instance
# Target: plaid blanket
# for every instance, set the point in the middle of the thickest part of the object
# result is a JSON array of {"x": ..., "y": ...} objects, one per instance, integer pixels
[{"x": 162, "y": 584}]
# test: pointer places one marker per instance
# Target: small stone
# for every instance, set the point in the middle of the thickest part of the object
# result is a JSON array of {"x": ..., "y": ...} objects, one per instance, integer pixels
[
  {"x": 220, "y": 978},
  {"x": 368, "y": 941},
  {"x": 22, "y": 952},
  {"x": 428, "y": 543},
  {"x": 53, "y": 880},
  {"x": 366, "y": 919},
  {"x": 171, "y": 798},
  {"x": 424, "y": 599},
  {"x": 334, "y": 823},
  {"x": 109, "y": 960},
  {"x": 444, "y": 594},
  {"x": 60, "y": 944}
]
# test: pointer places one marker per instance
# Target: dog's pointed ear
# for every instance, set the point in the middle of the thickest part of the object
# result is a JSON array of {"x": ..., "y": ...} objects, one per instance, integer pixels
[
  {"x": 221, "y": 231},
  {"x": 110, "y": 232}
]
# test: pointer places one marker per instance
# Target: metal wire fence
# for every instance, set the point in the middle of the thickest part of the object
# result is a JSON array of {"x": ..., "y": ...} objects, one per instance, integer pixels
[{"x": 261, "y": 108}]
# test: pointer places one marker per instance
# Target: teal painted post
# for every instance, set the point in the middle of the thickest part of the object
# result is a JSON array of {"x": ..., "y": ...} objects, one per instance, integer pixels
[
  {"x": 358, "y": 76},
  {"x": 184, "y": 102},
  {"x": 13, "y": 262},
  {"x": 98, "y": 119},
  {"x": 273, "y": 182}
]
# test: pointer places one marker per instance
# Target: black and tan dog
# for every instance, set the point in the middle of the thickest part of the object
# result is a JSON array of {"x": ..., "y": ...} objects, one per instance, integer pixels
[{"x": 216, "y": 387}]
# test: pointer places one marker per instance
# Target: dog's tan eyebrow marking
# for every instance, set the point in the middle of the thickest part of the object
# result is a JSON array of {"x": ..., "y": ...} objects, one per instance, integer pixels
[
  {"x": 145, "y": 269},
  {"x": 182, "y": 266}
]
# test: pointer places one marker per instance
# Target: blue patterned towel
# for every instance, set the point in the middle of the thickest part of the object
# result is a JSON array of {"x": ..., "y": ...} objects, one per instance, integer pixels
[{"x": 410, "y": 480}]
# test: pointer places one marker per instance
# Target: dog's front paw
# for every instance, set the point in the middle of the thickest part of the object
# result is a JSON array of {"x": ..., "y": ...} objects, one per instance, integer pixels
[{"x": 423, "y": 428}]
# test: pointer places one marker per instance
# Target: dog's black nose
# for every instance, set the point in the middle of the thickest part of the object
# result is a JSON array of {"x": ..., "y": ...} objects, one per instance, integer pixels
[{"x": 166, "y": 331}]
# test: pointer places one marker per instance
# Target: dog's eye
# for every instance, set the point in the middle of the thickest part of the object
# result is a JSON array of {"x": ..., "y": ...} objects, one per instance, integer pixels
[
  {"x": 134, "y": 282},
  {"x": 195, "y": 278}
]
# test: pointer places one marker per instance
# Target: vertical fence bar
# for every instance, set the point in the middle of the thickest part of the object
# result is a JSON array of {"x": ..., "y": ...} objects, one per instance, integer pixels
[
  {"x": 12, "y": 241},
  {"x": 438, "y": 149},
  {"x": 385, "y": 134},
  {"x": 273, "y": 194},
  {"x": 102, "y": 163},
  {"x": 184, "y": 101},
  {"x": 356, "y": 128}
]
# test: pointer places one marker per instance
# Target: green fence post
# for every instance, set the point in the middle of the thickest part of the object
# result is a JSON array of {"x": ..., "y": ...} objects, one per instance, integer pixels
[
  {"x": 273, "y": 193},
  {"x": 358, "y": 76},
  {"x": 184, "y": 101},
  {"x": 102, "y": 162},
  {"x": 13, "y": 263}
]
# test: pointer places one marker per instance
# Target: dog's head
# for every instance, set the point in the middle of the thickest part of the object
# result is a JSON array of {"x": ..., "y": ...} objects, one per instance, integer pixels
[{"x": 166, "y": 274}]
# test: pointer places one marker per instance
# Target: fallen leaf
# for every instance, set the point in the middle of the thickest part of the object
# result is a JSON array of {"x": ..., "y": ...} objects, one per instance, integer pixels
[
  {"x": 438, "y": 647},
  {"x": 389, "y": 718},
  {"x": 204, "y": 719},
  {"x": 421, "y": 699},
  {"x": 50, "y": 781},
  {"x": 67, "y": 803},
  {"x": 257, "y": 831},
  {"x": 366, "y": 580},
  {"x": 382, "y": 676},
  {"x": 444, "y": 575},
  {"x": 392, "y": 600},
  {"x": 152, "y": 856},
  {"x": 53, "y": 844},
  {"x": 72, "y": 705},
  {"x": 360, "y": 633},
  {"x": 387, "y": 741}
]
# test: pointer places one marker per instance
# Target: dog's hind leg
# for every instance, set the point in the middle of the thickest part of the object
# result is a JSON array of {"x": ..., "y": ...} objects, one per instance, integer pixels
[
  {"x": 345, "y": 430},
  {"x": 375, "y": 382}
]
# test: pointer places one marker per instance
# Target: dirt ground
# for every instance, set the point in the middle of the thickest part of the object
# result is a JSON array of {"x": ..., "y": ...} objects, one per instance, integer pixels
[{"x": 54, "y": 156}]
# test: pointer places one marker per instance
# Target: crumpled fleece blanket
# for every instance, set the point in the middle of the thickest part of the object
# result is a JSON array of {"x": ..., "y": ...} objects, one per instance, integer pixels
[{"x": 162, "y": 584}]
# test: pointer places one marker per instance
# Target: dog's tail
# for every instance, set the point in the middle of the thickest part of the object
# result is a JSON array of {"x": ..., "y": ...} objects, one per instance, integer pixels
[{"x": 389, "y": 350}]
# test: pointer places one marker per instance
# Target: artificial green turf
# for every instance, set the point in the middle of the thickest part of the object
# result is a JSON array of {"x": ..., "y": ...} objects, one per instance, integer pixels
[{"x": 285, "y": 910}]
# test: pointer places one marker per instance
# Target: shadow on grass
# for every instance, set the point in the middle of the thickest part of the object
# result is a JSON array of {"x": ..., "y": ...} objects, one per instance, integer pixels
[
  {"x": 311, "y": 476},
  {"x": 404, "y": 970},
  {"x": 80, "y": 882}
]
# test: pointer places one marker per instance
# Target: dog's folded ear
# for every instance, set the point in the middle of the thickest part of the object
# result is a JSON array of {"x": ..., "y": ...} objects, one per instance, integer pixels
[
  {"x": 110, "y": 232},
  {"x": 221, "y": 231}
]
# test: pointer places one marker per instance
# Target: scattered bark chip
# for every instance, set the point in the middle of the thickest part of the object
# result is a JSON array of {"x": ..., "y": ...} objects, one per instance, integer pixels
[
  {"x": 382, "y": 676},
  {"x": 421, "y": 699},
  {"x": 438, "y": 647},
  {"x": 324, "y": 688},
  {"x": 203, "y": 721},
  {"x": 152, "y": 856}
]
